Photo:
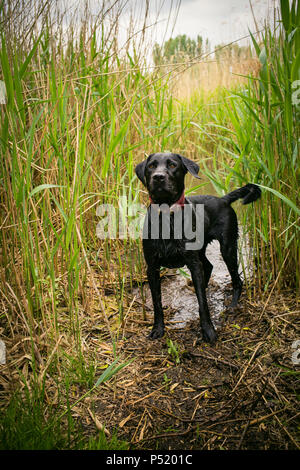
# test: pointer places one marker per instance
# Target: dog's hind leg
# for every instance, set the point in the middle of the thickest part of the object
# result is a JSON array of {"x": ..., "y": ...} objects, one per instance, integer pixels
[{"x": 229, "y": 253}]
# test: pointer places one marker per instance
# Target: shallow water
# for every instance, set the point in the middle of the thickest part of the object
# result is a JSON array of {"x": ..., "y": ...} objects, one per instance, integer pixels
[{"x": 179, "y": 295}]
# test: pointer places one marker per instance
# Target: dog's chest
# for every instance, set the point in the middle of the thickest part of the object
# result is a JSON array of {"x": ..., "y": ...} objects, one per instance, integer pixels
[{"x": 164, "y": 246}]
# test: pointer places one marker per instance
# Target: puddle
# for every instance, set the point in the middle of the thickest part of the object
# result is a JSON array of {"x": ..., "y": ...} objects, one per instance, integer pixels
[{"x": 179, "y": 295}]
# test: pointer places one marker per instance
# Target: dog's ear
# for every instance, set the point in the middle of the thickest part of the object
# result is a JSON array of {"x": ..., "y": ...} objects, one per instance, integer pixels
[
  {"x": 140, "y": 170},
  {"x": 190, "y": 166}
]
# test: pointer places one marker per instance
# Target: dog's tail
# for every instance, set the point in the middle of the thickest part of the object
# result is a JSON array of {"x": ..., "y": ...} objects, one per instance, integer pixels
[{"x": 248, "y": 193}]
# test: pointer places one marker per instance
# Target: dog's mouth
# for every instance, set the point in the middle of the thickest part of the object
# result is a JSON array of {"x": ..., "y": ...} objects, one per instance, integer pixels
[
  {"x": 161, "y": 194},
  {"x": 159, "y": 187},
  {"x": 156, "y": 189}
]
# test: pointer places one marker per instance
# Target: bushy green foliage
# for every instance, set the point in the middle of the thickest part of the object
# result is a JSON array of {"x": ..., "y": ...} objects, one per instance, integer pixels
[{"x": 177, "y": 49}]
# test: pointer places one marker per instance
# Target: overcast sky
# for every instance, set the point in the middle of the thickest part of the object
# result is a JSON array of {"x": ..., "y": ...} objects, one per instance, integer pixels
[{"x": 218, "y": 20}]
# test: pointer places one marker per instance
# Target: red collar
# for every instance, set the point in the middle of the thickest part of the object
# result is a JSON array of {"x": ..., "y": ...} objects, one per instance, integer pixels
[{"x": 180, "y": 201}]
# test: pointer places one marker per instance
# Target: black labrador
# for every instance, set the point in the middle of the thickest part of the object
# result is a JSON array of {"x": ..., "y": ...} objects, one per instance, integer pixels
[{"x": 163, "y": 175}]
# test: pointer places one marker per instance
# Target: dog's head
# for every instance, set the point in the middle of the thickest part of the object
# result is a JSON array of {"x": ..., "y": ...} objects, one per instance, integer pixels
[{"x": 163, "y": 175}]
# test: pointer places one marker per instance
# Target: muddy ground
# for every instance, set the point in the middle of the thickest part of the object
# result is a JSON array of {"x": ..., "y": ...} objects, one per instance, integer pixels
[{"x": 181, "y": 393}]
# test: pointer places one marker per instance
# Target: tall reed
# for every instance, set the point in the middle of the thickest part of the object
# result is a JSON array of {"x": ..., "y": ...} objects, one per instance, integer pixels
[
  {"x": 77, "y": 112},
  {"x": 263, "y": 147}
]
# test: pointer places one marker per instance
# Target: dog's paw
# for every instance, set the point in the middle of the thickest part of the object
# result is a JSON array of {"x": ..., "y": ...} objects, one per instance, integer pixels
[
  {"x": 209, "y": 334},
  {"x": 157, "y": 332},
  {"x": 233, "y": 309}
]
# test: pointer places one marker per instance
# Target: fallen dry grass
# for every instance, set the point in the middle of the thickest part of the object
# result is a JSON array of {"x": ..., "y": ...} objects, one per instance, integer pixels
[{"x": 240, "y": 394}]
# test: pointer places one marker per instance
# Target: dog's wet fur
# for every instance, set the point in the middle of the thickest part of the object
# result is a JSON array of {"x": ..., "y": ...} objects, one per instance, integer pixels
[{"x": 163, "y": 175}]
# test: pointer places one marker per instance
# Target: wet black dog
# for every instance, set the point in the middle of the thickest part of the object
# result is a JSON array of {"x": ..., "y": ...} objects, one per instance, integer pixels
[{"x": 163, "y": 175}]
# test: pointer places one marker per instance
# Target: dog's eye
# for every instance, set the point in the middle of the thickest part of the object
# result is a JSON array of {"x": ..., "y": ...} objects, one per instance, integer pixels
[
  {"x": 151, "y": 165},
  {"x": 172, "y": 165}
]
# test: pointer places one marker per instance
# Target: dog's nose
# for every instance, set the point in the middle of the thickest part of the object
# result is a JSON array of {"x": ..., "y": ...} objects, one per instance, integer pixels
[{"x": 159, "y": 177}]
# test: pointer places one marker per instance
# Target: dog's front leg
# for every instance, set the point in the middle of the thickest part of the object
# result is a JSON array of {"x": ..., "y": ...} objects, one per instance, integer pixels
[
  {"x": 198, "y": 278},
  {"x": 154, "y": 282}
]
